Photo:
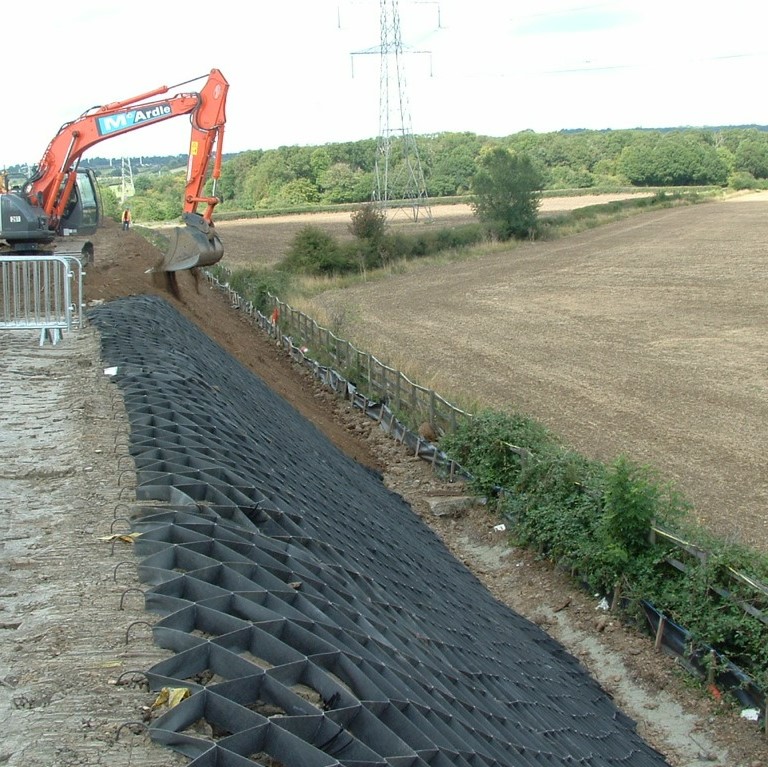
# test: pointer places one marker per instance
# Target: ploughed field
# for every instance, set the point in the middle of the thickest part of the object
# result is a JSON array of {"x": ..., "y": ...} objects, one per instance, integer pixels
[{"x": 646, "y": 337}]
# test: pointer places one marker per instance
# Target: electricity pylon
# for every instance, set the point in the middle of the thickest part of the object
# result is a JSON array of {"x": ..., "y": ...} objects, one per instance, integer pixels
[
  {"x": 126, "y": 187},
  {"x": 399, "y": 178}
]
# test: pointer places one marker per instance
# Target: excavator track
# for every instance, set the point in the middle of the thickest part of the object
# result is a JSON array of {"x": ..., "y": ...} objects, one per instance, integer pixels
[{"x": 81, "y": 249}]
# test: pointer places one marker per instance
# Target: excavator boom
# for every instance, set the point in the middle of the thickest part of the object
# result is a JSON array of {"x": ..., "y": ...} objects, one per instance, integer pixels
[{"x": 54, "y": 185}]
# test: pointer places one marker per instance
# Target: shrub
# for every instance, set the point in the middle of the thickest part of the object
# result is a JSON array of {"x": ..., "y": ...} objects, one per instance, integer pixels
[
  {"x": 493, "y": 447},
  {"x": 742, "y": 180},
  {"x": 314, "y": 251},
  {"x": 555, "y": 506},
  {"x": 368, "y": 223},
  {"x": 256, "y": 284}
]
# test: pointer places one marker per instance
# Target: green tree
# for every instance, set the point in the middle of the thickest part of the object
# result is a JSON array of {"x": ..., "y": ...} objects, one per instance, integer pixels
[
  {"x": 314, "y": 251},
  {"x": 263, "y": 181},
  {"x": 340, "y": 182},
  {"x": 368, "y": 223},
  {"x": 143, "y": 183},
  {"x": 110, "y": 204},
  {"x": 300, "y": 191},
  {"x": 320, "y": 160},
  {"x": 452, "y": 163},
  {"x": 233, "y": 175},
  {"x": 507, "y": 193},
  {"x": 751, "y": 156},
  {"x": 681, "y": 158},
  {"x": 158, "y": 198},
  {"x": 569, "y": 177}
]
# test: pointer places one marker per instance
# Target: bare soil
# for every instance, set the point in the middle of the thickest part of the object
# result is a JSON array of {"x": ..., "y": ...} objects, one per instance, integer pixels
[
  {"x": 264, "y": 241},
  {"x": 676, "y": 716}
]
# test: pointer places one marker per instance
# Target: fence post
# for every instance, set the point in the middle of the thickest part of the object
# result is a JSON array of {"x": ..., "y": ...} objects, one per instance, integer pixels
[{"x": 368, "y": 369}]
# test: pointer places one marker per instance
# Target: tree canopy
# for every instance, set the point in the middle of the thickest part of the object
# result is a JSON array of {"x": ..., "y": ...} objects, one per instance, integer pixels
[
  {"x": 507, "y": 189},
  {"x": 332, "y": 174}
]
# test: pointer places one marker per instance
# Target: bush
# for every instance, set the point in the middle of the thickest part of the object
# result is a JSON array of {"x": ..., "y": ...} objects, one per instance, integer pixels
[
  {"x": 742, "y": 180},
  {"x": 489, "y": 444},
  {"x": 256, "y": 284},
  {"x": 597, "y": 520},
  {"x": 430, "y": 242},
  {"x": 368, "y": 223},
  {"x": 555, "y": 506},
  {"x": 315, "y": 252}
]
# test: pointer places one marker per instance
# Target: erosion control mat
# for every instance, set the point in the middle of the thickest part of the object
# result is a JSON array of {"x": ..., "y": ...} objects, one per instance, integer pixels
[{"x": 313, "y": 617}]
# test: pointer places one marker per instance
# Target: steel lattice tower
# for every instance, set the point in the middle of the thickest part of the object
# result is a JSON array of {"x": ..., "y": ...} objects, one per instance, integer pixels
[
  {"x": 399, "y": 176},
  {"x": 126, "y": 180}
]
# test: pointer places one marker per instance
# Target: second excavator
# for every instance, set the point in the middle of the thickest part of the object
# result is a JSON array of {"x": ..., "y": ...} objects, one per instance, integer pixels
[{"x": 59, "y": 205}]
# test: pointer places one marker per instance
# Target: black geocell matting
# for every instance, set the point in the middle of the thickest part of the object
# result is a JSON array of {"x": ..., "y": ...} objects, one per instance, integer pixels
[{"x": 315, "y": 618}]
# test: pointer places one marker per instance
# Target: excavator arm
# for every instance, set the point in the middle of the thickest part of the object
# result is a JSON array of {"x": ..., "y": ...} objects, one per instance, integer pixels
[{"x": 51, "y": 187}]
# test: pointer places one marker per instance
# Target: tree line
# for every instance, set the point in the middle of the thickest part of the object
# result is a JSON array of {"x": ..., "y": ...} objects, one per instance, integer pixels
[{"x": 345, "y": 173}]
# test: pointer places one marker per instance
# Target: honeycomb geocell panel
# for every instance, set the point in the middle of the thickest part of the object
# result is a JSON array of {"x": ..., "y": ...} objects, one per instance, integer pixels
[{"x": 314, "y": 617}]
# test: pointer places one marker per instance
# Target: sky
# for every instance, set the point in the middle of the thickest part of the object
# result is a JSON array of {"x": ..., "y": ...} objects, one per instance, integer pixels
[{"x": 311, "y": 72}]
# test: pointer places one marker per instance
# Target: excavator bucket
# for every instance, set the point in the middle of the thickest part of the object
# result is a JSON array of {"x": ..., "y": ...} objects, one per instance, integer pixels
[{"x": 195, "y": 244}]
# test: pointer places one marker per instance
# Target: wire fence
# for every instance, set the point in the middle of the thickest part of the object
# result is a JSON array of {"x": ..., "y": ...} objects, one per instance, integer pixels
[{"x": 378, "y": 380}]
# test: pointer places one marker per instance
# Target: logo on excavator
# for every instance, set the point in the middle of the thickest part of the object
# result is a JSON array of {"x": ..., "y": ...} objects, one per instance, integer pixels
[{"x": 121, "y": 121}]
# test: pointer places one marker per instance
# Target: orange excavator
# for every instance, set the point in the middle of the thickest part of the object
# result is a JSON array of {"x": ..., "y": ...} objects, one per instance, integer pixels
[{"x": 59, "y": 205}]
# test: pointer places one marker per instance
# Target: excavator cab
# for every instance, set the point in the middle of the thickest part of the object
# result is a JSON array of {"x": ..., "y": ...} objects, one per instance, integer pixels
[
  {"x": 195, "y": 244},
  {"x": 82, "y": 214},
  {"x": 25, "y": 225}
]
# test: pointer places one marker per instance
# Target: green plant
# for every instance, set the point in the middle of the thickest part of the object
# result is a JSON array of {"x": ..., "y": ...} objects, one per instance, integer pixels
[
  {"x": 507, "y": 193},
  {"x": 368, "y": 223},
  {"x": 314, "y": 251},
  {"x": 257, "y": 284},
  {"x": 494, "y": 447},
  {"x": 555, "y": 505},
  {"x": 742, "y": 180},
  {"x": 602, "y": 522},
  {"x": 630, "y": 501}
]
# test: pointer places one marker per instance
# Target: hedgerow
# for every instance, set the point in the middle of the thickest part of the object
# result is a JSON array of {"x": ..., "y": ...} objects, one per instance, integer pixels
[{"x": 600, "y": 521}]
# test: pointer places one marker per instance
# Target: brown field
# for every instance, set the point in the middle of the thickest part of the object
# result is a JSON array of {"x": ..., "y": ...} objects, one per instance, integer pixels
[
  {"x": 646, "y": 337},
  {"x": 264, "y": 240}
]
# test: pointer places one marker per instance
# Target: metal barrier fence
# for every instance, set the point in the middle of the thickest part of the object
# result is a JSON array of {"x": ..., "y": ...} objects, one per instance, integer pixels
[{"x": 41, "y": 292}]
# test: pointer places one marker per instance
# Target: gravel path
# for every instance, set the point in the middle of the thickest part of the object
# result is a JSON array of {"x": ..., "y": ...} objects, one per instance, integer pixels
[{"x": 65, "y": 604}]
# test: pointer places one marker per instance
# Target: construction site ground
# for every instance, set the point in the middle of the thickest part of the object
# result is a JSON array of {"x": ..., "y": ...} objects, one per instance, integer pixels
[{"x": 72, "y": 623}]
